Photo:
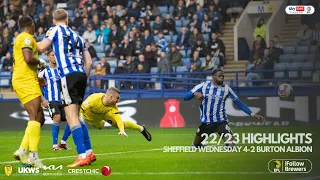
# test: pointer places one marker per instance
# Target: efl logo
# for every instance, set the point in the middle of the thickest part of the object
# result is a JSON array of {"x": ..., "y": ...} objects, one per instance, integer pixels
[{"x": 300, "y": 8}]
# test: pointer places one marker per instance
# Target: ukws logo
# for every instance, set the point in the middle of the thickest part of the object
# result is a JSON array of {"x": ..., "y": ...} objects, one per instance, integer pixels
[{"x": 299, "y": 9}]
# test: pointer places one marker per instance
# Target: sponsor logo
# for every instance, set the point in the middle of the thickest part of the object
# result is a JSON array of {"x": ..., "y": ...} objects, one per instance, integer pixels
[
  {"x": 8, "y": 169},
  {"x": 290, "y": 166},
  {"x": 299, "y": 9}
]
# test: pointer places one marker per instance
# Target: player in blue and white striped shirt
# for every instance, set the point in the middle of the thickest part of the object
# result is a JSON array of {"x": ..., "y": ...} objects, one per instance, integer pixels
[
  {"x": 52, "y": 101},
  {"x": 74, "y": 64},
  {"x": 213, "y": 95}
]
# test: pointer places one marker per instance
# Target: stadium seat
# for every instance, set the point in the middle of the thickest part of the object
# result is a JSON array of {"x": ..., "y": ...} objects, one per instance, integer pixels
[
  {"x": 70, "y": 13},
  {"x": 95, "y": 63},
  {"x": 121, "y": 61},
  {"x": 168, "y": 38},
  {"x": 181, "y": 69},
  {"x": 310, "y": 57},
  {"x": 163, "y": 9},
  {"x": 282, "y": 67},
  {"x": 314, "y": 49},
  {"x": 100, "y": 55},
  {"x": 206, "y": 37},
  {"x": 156, "y": 38},
  {"x": 113, "y": 63},
  {"x": 186, "y": 62},
  {"x": 92, "y": 72},
  {"x": 298, "y": 57},
  {"x": 153, "y": 71},
  {"x": 302, "y": 50},
  {"x": 5, "y": 73},
  {"x": 151, "y": 24},
  {"x": 285, "y": 58},
  {"x": 98, "y": 48},
  {"x": 183, "y": 53},
  {"x": 174, "y": 38},
  {"x": 189, "y": 53},
  {"x": 178, "y": 29},
  {"x": 112, "y": 70},
  {"x": 178, "y": 23},
  {"x": 308, "y": 72},
  {"x": 106, "y": 47},
  {"x": 289, "y": 50},
  {"x": 202, "y": 59},
  {"x": 5, "y": 82},
  {"x": 293, "y": 70},
  {"x": 2, "y": 58},
  {"x": 171, "y": 9},
  {"x": 185, "y": 22}
]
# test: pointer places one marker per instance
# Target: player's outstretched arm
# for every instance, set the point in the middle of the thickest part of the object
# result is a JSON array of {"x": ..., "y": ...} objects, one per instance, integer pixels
[
  {"x": 43, "y": 45},
  {"x": 247, "y": 110},
  {"x": 87, "y": 62},
  {"x": 241, "y": 105}
]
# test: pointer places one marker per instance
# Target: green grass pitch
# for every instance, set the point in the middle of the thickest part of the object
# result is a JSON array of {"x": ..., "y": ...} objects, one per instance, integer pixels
[{"x": 134, "y": 157}]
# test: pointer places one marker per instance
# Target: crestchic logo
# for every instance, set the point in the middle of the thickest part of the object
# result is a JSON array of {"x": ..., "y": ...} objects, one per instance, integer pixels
[{"x": 126, "y": 112}]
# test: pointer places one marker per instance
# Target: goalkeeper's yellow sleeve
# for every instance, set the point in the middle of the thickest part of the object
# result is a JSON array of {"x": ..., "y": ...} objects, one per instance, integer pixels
[{"x": 119, "y": 122}]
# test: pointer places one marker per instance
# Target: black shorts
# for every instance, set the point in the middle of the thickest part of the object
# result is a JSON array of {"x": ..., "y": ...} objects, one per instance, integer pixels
[
  {"x": 73, "y": 88},
  {"x": 220, "y": 128},
  {"x": 57, "y": 108}
]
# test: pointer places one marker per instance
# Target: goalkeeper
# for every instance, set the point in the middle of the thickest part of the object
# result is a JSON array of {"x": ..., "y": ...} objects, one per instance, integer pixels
[{"x": 100, "y": 108}]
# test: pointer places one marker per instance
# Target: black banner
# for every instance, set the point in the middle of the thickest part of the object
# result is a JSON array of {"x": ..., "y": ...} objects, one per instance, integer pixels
[{"x": 171, "y": 113}]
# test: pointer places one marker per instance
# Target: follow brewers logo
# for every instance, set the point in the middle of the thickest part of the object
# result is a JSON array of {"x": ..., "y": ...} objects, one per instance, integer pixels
[
  {"x": 8, "y": 169},
  {"x": 290, "y": 166}
]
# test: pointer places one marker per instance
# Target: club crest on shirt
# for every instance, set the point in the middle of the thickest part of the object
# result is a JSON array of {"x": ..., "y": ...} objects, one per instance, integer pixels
[{"x": 48, "y": 33}]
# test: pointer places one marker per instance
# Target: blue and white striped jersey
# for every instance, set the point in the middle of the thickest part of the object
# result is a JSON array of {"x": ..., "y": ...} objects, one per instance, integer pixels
[
  {"x": 212, "y": 107},
  {"x": 68, "y": 48},
  {"x": 52, "y": 91}
]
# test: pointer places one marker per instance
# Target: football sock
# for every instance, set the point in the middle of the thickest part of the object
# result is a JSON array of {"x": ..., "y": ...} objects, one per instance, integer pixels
[
  {"x": 78, "y": 140},
  {"x": 25, "y": 142},
  {"x": 55, "y": 133},
  {"x": 34, "y": 135},
  {"x": 133, "y": 126},
  {"x": 86, "y": 136},
  {"x": 33, "y": 155},
  {"x": 66, "y": 134},
  {"x": 89, "y": 151}
]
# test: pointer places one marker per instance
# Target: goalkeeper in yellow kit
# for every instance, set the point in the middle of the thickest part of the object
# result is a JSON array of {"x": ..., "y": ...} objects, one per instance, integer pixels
[{"x": 100, "y": 108}]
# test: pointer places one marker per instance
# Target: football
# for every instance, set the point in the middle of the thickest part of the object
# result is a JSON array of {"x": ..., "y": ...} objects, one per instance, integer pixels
[{"x": 285, "y": 90}]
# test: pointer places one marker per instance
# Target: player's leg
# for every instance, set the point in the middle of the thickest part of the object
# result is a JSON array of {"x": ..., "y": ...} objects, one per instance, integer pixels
[
  {"x": 66, "y": 133},
  {"x": 87, "y": 142},
  {"x": 134, "y": 126},
  {"x": 73, "y": 98},
  {"x": 203, "y": 130},
  {"x": 225, "y": 131},
  {"x": 55, "y": 114},
  {"x": 35, "y": 112}
]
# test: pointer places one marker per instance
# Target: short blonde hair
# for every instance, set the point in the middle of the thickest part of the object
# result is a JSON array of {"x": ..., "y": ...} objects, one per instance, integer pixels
[
  {"x": 113, "y": 90},
  {"x": 60, "y": 15}
]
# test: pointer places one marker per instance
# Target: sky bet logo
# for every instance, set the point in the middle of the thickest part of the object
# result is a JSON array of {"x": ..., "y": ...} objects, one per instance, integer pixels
[{"x": 300, "y": 9}]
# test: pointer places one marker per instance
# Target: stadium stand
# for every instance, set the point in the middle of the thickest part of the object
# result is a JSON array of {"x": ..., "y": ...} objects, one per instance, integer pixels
[{"x": 289, "y": 61}]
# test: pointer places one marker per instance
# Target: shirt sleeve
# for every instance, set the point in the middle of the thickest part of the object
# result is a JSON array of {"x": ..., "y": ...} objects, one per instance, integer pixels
[
  {"x": 87, "y": 104},
  {"x": 51, "y": 34},
  {"x": 115, "y": 115},
  {"x": 231, "y": 94},
  {"x": 83, "y": 44},
  {"x": 27, "y": 42},
  {"x": 197, "y": 88}
]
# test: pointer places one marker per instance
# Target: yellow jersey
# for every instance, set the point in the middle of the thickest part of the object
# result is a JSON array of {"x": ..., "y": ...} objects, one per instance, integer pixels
[
  {"x": 94, "y": 111},
  {"x": 24, "y": 74}
]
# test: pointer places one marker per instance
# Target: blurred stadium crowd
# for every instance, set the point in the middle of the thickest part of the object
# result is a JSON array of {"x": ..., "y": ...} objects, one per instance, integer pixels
[{"x": 157, "y": 36}]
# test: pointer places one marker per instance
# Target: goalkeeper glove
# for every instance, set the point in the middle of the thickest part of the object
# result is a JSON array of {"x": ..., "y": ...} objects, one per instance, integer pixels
[{"x": 42, "y": 62}]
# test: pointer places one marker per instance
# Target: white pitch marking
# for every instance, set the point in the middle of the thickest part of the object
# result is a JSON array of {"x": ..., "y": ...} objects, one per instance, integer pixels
[{"x": 101, "y": 154}]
